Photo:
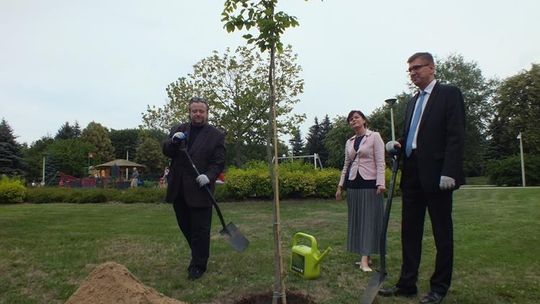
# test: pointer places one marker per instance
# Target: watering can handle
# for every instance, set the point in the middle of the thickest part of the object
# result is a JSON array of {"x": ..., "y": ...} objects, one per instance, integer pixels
[{"x": 311, "y": 238}]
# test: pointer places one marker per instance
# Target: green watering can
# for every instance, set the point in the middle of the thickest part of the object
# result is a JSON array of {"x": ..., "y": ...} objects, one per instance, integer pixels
[{"x": 305, "y": 259}]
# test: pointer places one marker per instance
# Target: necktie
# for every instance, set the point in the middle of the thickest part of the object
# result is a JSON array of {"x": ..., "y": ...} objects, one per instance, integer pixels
[{"x": 414, "y": 123}]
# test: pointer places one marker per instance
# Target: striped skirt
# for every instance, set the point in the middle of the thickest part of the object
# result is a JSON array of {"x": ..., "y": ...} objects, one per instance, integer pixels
[{"x": 366, "y": 209}]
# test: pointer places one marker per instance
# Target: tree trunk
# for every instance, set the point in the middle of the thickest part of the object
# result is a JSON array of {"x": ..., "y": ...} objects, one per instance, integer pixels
[{"x": 279, "y": 280}]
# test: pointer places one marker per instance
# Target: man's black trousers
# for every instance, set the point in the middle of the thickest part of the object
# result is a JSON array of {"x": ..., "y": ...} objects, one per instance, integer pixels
[{"x": 195, "y": 224}]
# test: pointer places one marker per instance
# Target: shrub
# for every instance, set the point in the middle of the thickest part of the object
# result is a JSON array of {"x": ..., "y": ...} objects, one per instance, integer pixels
[
  {"x": 46, "y": 195},
  {"x": 507, "y": 172},
  {"x": 326, "y": 181},
  {"x": 238, "y": 184},
  {"x": 87, "y": 196},
  {"x": 11, "y": 190},
  {"x": 297, "y": 184},
  {"x": 297, "y": 180},
  {"x": 261, "y": 183},
  {"x": 141, "y": 195}
]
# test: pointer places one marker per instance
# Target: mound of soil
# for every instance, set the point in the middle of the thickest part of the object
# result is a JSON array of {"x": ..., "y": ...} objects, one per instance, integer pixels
[
  {"x": 113, "y": 283},
  {"x": 266, "y": 298}
]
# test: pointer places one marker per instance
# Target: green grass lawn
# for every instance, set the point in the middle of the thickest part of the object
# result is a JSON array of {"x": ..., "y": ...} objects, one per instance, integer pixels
[{"x": 46, "y": 251}]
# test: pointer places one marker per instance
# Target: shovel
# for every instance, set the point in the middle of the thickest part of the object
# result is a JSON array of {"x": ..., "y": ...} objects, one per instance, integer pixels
[
  {"x": 378, "y": 277},
  {"x": 237, "y": 240}
]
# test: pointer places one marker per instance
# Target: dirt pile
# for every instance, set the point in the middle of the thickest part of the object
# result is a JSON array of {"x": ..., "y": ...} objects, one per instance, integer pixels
[{"x": 112, "y": 283}]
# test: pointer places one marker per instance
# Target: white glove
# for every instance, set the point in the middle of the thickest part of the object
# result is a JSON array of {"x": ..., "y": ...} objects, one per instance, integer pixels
[
  {"x": 392, "y": 147},
  {"x": 447, "y": 183},
  {"x": 178, "y": 136},
  {"x": 202, "y": 180}
]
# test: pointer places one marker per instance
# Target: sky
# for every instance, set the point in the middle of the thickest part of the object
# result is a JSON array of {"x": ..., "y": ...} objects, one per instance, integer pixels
[{"x": 108, "y": 60}]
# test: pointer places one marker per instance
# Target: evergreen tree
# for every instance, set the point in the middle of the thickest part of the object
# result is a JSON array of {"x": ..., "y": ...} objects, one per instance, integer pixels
[
  {"x": 11, "y": 160},
  {"x": 67, "y": 131},
  {"x": 315, "y": 138},
  {"x": 325, "y": 127},
  {"x": 312, "y": 139},
  {"x": 77, "y": 130},
  {"x": 297, "y": 144}
]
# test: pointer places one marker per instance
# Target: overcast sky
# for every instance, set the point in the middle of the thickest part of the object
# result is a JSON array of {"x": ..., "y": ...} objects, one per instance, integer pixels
[{"x": 106, "y": 60}]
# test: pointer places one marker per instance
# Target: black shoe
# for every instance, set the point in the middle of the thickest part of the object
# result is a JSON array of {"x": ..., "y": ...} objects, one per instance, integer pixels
[
  {"x": 432, "y": 298},
  {"x": 195, "y": 273},
  {"x": 395, "y": 291}
]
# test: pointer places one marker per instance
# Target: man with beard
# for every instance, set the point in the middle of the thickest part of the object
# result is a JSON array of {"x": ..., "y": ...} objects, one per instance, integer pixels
[{"x": 186, "y": 191}]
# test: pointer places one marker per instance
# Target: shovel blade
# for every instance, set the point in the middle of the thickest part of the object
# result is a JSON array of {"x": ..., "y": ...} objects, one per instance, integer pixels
[
  {"x": 237, "y": 240},
  {"x": 373, "y": 287}
]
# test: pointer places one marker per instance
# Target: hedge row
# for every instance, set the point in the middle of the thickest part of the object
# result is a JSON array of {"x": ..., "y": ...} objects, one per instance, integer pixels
[
  {"x": 256, "y": 184},
  {"x": 44, "y": 195},
  {"x": 296, "y": 180}
]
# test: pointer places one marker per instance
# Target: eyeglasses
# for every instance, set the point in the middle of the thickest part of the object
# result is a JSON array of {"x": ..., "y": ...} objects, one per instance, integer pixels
[{"x": 417, "y": 67}]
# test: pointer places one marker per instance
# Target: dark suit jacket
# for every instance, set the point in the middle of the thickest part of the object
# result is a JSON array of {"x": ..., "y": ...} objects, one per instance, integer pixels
[
  {"x": 441, "y": 137},
  {"x": 208, "y": 155}
]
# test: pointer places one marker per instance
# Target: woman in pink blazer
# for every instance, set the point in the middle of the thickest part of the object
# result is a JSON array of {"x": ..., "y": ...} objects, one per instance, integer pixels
[{"x": 363, "y": 178}]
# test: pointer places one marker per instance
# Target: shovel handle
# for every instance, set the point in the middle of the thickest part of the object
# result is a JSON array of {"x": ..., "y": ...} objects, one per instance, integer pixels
[
  {"x": 395, "y": 165},
  {"x": 218, "y": 211}
]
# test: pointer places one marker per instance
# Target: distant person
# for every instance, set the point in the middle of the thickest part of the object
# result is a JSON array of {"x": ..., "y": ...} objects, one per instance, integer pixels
[
  {"x": 434, "y": 136},
  {"x": 186, "y": 191},
  {"x": 363, "y": 178},
  {"x": 163, "y": 180},
  {"x": 134, "y": 178}
]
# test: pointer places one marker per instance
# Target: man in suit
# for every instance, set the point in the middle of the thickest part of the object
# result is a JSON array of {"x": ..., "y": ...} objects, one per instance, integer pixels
[
  {"x": 186, "y": 190},
  {"x": 432, "y": 169}
]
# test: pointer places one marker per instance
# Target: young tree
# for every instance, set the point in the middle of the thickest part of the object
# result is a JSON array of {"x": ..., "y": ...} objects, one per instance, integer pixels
[
  {"x": 98, "y": 136},
  {"x": 261, "y": 16},
  {"x": 11, "y": 158}
]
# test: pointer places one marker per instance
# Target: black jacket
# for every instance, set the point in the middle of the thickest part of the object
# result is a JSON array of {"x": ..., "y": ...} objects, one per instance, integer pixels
[
  {"x": 441, "y": 137},
  {"x": 208, "y": 155}
]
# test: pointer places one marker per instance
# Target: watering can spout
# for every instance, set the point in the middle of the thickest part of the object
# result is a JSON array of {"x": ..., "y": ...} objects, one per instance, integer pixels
[{"x": 321, "y": 257}]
